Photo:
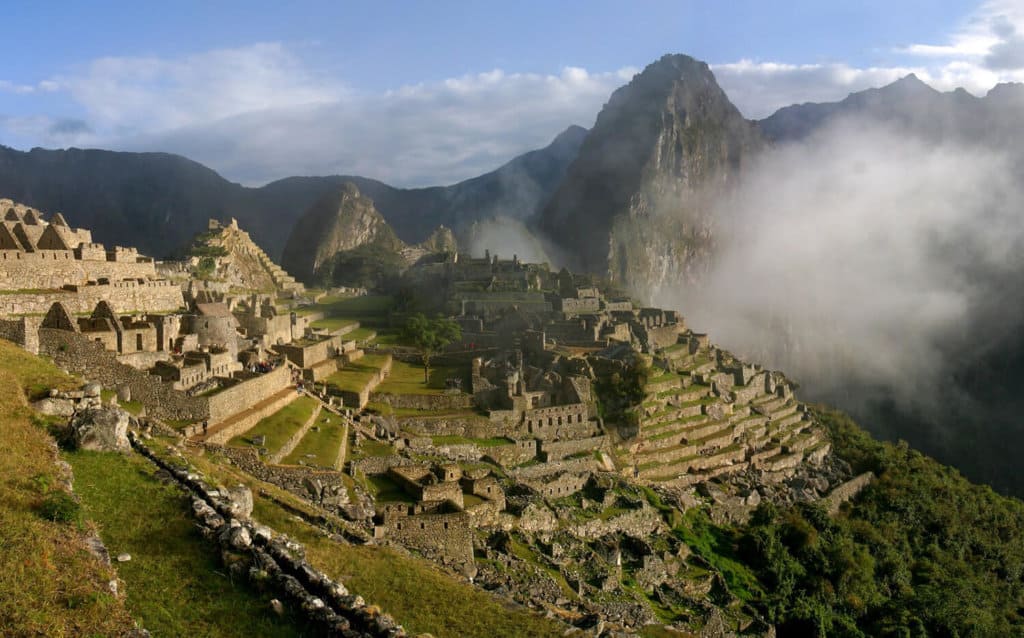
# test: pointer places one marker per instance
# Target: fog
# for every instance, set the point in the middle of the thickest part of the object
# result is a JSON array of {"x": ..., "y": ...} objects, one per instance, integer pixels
[
  {"x": 505, "y": 237},
  {"x": 861, "y": 258}
]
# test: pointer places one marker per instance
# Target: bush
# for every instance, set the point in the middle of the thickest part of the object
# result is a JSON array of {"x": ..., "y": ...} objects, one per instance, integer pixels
[{"x": 60, "y": 507}]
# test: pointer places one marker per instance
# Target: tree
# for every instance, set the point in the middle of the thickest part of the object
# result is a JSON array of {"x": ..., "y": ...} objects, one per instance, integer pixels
[{"x": 430, "y": 336}]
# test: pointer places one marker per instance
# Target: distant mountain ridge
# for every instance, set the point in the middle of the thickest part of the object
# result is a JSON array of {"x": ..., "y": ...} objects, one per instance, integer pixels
[
  {"x": 159, "y": 201},
  {"x": 994, "y": 120}
]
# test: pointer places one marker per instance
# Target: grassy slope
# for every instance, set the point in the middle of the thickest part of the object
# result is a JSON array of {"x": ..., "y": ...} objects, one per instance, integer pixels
[
  {"x": 176, "y": 584},
  {"x": 279, "y": 426},
  {"x": 355, "y": 376},
  {"x": 418, "y": 595},
  {"x": 325, "y": 444},
  {"x": 49, "y": 584},
  {"x": 407, "y": 378}
]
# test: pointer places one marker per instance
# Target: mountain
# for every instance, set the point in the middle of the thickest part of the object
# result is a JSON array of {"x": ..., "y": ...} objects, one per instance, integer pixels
[
  {"x": 911, "y": 106},
  {"x": 340, "y": 221},
  {"x": 635, "y": 203},
  {"x": 158, "y": 201}
]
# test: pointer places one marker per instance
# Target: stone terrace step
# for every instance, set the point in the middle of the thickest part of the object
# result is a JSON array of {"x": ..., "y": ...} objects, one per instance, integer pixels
[{"x": 246, "y": 419}]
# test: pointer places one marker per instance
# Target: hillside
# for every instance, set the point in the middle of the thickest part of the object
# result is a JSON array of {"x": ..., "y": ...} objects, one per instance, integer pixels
[
  {"x": 342, "y": 221},
  {"x": 158, "y": 202}
]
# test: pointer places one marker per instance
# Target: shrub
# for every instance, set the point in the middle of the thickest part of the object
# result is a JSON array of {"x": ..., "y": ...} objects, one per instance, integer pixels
[{"x": 60, "y": 507}]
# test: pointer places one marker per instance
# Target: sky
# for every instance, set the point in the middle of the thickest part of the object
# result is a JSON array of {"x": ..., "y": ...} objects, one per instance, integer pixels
[{"x": 425, "y": 93}]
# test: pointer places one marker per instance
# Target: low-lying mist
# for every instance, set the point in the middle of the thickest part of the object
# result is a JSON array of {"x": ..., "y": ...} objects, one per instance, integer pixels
[
  {"x": 868, "y": 265},
  {"x": 505, "y": 237}
]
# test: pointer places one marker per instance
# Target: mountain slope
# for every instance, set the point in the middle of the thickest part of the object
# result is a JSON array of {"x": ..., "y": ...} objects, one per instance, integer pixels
[
  {"x": 341, "y": 221},
  {"x": 158, "y": 201},
  {"x": 635, "y": 204}
]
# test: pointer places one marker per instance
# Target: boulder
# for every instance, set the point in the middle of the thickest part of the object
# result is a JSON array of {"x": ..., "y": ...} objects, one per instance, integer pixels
[
  {"x": 103, "y": 428},
  {"x": 240, "y": 498},
  {"x": 92, "y": 389},
  {"x": 124, "y": 393},
  {"x": 54, "y": 407}
]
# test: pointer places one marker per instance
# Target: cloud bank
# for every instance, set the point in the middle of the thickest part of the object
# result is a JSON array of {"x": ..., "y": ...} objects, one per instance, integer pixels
[
  {"x": 864, "y": 259},
  {"x": 261, "y": 112}
]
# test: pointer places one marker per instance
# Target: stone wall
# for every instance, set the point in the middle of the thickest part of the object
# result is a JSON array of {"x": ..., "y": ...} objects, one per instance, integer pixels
[
  {"x": 293, "y": 441},
  {"x": 77, "y": 354},
  {"x": 470, "y": 427},
  {"x": 446, "y": 537},
  {"x": 124, "y": 296},
  {"x": 558, "y": 486},
  {"x": 374, "y": 465},
  {"x": 846, "y": 491},
  {"x": 556, "y": 451},
  {"x": 54, "y": 268},
  {"x": 247, "y": 393},
  {"x": 23, "y": 331},
  {"x": 142, "y": 360},
  {"x": 433, "y": 402},
  {"x": 515, "y": 454},
  {"x": 308, "y": 355},
  {"x": 322, "y": 487}
]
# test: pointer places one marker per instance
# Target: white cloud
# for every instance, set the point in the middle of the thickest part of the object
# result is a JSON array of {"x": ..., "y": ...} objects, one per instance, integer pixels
[
  {"x": 758, "y": 89},
  {"x": 988, "y": 48},
  {"x": 149, "y": 93},
  {"x": 259, "y": 113}
]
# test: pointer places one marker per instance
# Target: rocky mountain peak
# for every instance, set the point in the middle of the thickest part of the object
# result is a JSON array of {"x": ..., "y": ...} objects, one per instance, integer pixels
[
  {"x": 657, "y": 146},
  {"x": 341, "y": 220}
]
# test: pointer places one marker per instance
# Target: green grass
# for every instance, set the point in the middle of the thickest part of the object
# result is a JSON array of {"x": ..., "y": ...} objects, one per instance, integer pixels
[
  {"x": 35, "y": 374},
  {"x": 360, "y": 334},
  {"x": 175, "y": 583},
  {"x": 407, "y": 378},
  {"x": 49, "y": 584},
  {"x": 385, "y": 490},
  {"x": 280, "y": 426},
  {"x": 715, "y": 545},
  {"x": 355, "y": 376},
  {"x": 370, "y": 448},
  {"x": 332, "y": 323},
  {"x": 324, "y": 445},
  {"x": 419, "y": 595},
  {"x": 371, "y": 309}
]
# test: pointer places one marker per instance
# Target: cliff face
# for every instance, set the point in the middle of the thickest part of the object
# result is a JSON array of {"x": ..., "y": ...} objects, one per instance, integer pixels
[
  {"x": 341, "y": 221},
  {"x": 636, "y": 202}
]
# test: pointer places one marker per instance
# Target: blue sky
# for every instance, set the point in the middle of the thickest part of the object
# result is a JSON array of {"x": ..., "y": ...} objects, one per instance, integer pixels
[{"x": 433, "y": 92}]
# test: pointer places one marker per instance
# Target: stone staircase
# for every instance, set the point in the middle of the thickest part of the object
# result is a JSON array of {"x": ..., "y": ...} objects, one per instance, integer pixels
[{"x": 281, "y": 279}]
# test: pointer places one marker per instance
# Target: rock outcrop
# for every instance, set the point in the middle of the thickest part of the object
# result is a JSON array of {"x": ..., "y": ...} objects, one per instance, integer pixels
[
  {"x": 102, "y": 428},
  {"x": 341, "y": 221},
  {"x": 636, "y": 204}
]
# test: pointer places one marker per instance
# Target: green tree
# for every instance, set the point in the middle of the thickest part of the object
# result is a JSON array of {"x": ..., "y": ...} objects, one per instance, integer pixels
[{"x": 430, "y": 336}]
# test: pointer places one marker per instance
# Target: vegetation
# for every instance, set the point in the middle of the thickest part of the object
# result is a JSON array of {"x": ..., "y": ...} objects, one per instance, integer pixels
[
  {"x": 405, "y": 378},
  {"x": 49, "y": 583},
  {"x": 370, "y": 266},
  {"x": 921, "y": 552},
  {"x": 324, "y": 444},
  {"x": 175, "y": 583},
  {"x": 281, "y": 425},
  {"x": 430, "y": 336},
  {"x": 355, "y": 376}
]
